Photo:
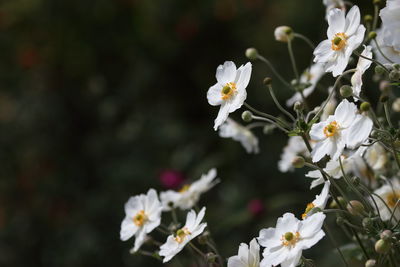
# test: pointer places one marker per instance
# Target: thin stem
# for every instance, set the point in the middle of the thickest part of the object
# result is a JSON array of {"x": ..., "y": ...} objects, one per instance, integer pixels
[
  {"x": 326, "y": 228},
  {"x": 197, "y": 250},
  {"x": 271, "y": 91},
  {"x": 306, "y": 39},
  {"x": 293, "y": 60},
  {"x": 270, "y": 121},
  {"x": 174, "y": 217},
  {"x": 371, "y": 59},
  {"x": 387, "y": 114},
  {"x": 395, "y": 155},
  {"x": 381, "y": 52},
  {"x": 375, "y": 23},
  {"x": 274, "y": 71},
  {"x": 214, "y": 248}
]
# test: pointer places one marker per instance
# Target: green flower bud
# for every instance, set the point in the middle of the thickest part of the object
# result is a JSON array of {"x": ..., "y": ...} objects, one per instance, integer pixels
[
  {"x": 365, "y": 106},
  {"x": 386, "y": 235},
  {"x": 379, "y": 70},
  {"x": 283, "y": 34},
  {"x": 368, "y": 18},
  {"x": 355, "y": 208},
  {"x": 346, "y": 91},
  {"x": 396, "y": 66},
  {"x": 267, "y": 81},
  {"x": 382, "y": 246},
  {"x": 251, "y": 53},
  {"x": 394, "y": 75},
  {"x": 298, "y": 162},
  {"x": 370, "y": 263},
  {"x": 247, "y": 116},
  {"x": 384, "y": 86},
  {"x": 372, "y": 35}
]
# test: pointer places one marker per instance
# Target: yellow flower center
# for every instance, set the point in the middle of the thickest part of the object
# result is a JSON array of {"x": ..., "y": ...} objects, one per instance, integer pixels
[
  {"x": 181, "y": 234},
  {"x": 290, "y": 239},
  {"x": 140, "y": 218},
  {"x": 392, "y": 198},
  {"x": 339, "y": 41},
  {"x": 309, "y": 207},
  {"x": 184, "y": 188},
  {"x": 228, "y": 91},
  {"x": 331, "y": 129}
]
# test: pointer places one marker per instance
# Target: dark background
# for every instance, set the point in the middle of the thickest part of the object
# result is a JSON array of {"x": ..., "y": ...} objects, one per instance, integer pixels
[{"x": 97, "y": 98}]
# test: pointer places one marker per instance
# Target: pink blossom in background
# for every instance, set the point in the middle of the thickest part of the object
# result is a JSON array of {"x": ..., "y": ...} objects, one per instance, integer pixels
[
  {"x": 256, "y": 207},
  {"x": 171, "y": 179}
]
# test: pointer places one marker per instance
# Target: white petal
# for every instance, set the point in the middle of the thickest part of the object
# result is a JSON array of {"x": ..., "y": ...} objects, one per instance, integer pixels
[
  {"x": 325, "y": 147},
  {"x": 312, "y": 224},
  {"x": 128, "y": 229},
  {"x": 352, "y": 20},
  {"x": 323, "y": 52},
  {"x": 214, "y": 95},
  {"x": 336, "y": 21},
  {"x": 359, "y": 131},
  {"x": 345, "y": 113},
  {"x": 317, "y": 131},
  {"x": 226, "y": 73},
  {"x": 222, "y": 115}
]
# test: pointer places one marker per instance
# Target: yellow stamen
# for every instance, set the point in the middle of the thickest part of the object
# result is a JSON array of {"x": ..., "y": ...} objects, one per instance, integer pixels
[
  {"x": 392, "y": 199},
  {"x": 331, "y": 129},
  {"x": 339, "y": 41},
  {"x": 228, "y": 91},
  {"x": 181, "y": 234},
  {"x": 309, "y": 207},
  {"x": 290, "y": 239},
  {"x": 140, "y": 218},
  {"x": 184, "y": 188}
]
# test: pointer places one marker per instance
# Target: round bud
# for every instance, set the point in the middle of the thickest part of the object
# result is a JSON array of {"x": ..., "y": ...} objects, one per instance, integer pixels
[
  {"x": 247, "y": 116},
  {"x": 267, "y": 81},
  {"x": 396, "y": 66},
  {"x": 283, "y": 34},
  {"x": 372, "y": 35},
  {"x": 396, "y": 105},
  {"x": 370, "y": 263},
  {"x": 355, "y": 181},
  {"x": 365, "y": 106},
  {"x": 394, "y": 75},
  {"x": 251, "y": 53},
  {"x": 368, "y": 18},
  {"x": 339, "y": 221},
  {"x": 346, "y": 91},
  {"x": 383, "y": 98},
  {"x": 298, "y": 106},
  {"x": 298, "y": 162},
  {"x": 355, "y": 208},
  {"x": 386, "y": 235},
  {"x": 384, "y": 86},
  {"x": 376, "y": 2},
  {"x": 382, "y": 246},
  {"x": 379, "y": 70}
]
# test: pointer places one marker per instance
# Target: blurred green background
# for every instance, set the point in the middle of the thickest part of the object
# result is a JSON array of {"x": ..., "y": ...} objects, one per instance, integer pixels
[{"x": 98, "y": 98}]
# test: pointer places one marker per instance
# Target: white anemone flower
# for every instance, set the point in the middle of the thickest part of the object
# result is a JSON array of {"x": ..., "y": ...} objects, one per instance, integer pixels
[
  {"x": 362, "y": 65},
  {"x": 230, "y": 90},
  {"x": 143, "y": 215},
  {"x": 232, "y": 129},
  {"x": 344, "y": 35},
  {"x": 376, "y": 157},
  {"x": 247, "y": 256},
  {"x": 331, "y": 4},
  {"x": 189, "y": 194},
  {"x": 311, "y": 76},
  {"x": 390, "y": 16},
  {"x": 387, "y": 49},
  {"x": 284, "y": 243},
  {"x": 390, "y": 193},
  {"x": 294, "y": 148},
  {"x": 319, "y": 201},
  {"x": 344, "y": 128},
  {"x": 332, "y": 168},
  {"x": 192, "y": 228}
]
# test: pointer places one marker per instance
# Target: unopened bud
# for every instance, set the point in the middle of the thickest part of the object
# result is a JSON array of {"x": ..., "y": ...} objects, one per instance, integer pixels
[
  {"x": 370, "y": 263},
  {"x": 346, "y": 91},
  {"x": 382, "y": 246},
  {"x": 368, "y": 18},
  {"x": 247, "y": 116},
  {"x": 386, "y": 235},
  {"x": 298, "y": 162},
  {"x": 298, "y": 106},
  {"x": 372, "y": 35},
  {"x": 384, "y": 86},
  {"x": 283, "y": 34},
  {"x": 251, "y": 53},
  {"x": 267, "y": 81},
  {"x": 396, "y": 105},
  {"x": 355, "y": 207},
  {"x": 379, "y": 70},
  {"x": 394, "y": 75},
  {"x": 383, "y": 98},
  {"x": 365, "y": 106},
  {"x": 268, "y": 129}
]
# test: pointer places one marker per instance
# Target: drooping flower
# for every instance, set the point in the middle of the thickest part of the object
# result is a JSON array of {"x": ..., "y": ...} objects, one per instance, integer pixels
[
  {"x": 232, "y": 129},
  {"x": 319, "y": 201},
  {"x": 310, "y": 76},
  {"x": 390, "y": 193},
  {"x": 247, "y": 256},
  {"x": 192, "y": 228},
  {"x": 344, "y": 35},
  {"x": 344, "y": 128},
  {"x": 294, "y": 148},
  {"x": 189, "y": 194},
  {"x": 332, "y": 4},
  {"x": 285, "y": 243},
  {"x": 391, "y": 23},
  {"x": 362, "y": 65},
  {"x": 230, "y": 90},
  {"x": 143, "y": 215}
]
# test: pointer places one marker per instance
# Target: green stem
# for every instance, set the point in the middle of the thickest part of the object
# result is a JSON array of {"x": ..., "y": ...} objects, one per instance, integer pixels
[
  {"x": 376, "y": 12},
  {"x": 326, "y": 228},
  {"x": 266, "y": 61},
  {"x": 293, "y": 60},
  {"x": 371, "y": 59},
  {"x": 387, "y": 114},
  {"x": 271, "y": 91},
  {"x": 305, "y": 39}
]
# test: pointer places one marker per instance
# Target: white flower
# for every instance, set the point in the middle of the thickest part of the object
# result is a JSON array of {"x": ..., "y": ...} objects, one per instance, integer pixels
[
  {"x": 294, "y": 148},
  {"x": 391, "y": 23},
  {"x": 283, "y": 34},
  {"x": 311, "y": 76},
  {"x": 143, "y": 214},
  {"x": 343, "y": 128},
  {"x": 344, "y": 35},
  {"x": 388, "y": 50},
  {"x": 188, "y": 195},
  {"x": 331, "y": 4},
  {"x": 376, "y": 157},
  {"x": 285, "y": 243},
  {"x": 247, "y": 257},
  {"x": 391, "y": 196},
  {"x": 232, "y": 129},
  {"x": 230, "y": 90},
  {"x": 192, "y": 228},
  {"x": 362, "y": 65},
  {"x": 319, "y": 201}
]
